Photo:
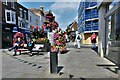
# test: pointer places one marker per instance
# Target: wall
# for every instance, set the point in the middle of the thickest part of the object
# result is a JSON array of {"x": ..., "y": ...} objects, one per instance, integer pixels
[
  {"x": 33, "y": 19},
  {"x": 86, "y": 38},
  {"x": 101, "y": 39}
]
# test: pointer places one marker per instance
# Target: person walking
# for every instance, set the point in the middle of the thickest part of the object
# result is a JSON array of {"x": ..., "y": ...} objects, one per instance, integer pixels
[
  {"x": 93, "y": 40},
  {"x": 18, "y": 44},
  {"x": 78, "y": 39}
]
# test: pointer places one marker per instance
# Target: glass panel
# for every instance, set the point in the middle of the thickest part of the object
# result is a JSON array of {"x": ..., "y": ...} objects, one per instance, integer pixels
[
  {"x": 8, "y": 16},
  {"x": 113, "y": 39}
]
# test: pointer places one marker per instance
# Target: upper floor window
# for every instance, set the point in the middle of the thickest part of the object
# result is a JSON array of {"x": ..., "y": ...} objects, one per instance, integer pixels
[
  {"x": 30, "y": 19},
  {"x": 5, "y": 2},
  {"x": 36, "y": 21},
  {"x": 25, "y": 13},
  {"x": 10, "y": 16},
  {"x": 12, "y": 5},
  {"x": 20, "y": 9}
]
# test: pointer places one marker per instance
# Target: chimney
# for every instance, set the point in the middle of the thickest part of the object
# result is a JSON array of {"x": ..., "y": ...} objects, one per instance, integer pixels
[{"x": 42, "y": 8}]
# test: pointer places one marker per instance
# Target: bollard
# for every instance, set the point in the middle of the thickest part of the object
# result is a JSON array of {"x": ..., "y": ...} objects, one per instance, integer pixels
[{"x": 54, "y": 62}]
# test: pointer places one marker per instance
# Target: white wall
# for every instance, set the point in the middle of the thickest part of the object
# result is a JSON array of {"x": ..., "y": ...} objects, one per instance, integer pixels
[{"x": 33, "y": 19}]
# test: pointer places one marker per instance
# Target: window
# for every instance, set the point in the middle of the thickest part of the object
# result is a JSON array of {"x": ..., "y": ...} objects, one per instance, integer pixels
[
  {"x": 25, "y": 15},
  {"x": 30, "y": 19},
  {"x": 8, "y": 16},
  {"x": 12, "y": 5},
  {"x": 21, "y": 12},
  {"x": 36, "y": 22},
  {"x": 5, "y": 2},
  {"x": 12, "y": 17}
]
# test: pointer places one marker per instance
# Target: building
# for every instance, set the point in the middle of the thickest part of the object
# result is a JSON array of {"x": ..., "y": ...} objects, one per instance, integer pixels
[
  {"x": 33, "y": 21},
  {"x": 87, "y": 20},
  {"x": 0, "y": 25},
  {"x": 22, "y": 19},
  {"x": 39, "y": 12},
  {"x": 72, "y": 28},
  {"x": 109, "y": 29},
  {"x": 8, "y": 21}
]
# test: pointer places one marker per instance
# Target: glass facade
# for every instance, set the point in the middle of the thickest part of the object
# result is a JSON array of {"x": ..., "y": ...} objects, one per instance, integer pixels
[
  {"x": 87, "y": 17},
  {"x": 113, "y": 35}
]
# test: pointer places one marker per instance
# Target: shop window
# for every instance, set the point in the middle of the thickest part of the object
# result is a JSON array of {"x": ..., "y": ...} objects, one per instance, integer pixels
[
  {"x": 112, "y": 4},
  {"x": 118, "y": 26}
]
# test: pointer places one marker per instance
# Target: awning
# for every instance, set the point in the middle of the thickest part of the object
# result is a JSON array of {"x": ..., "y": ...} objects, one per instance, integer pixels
[
  {"x": 15, "y": 29},
  {"x": 25, "y": 31}
]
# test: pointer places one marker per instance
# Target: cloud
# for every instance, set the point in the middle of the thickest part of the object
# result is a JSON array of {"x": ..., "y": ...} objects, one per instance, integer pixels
[
  {"x": 65, "y": 12},
  {"x": 63, "y": 5}
]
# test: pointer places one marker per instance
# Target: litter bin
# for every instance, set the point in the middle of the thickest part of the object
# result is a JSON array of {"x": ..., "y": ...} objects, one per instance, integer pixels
[{"x": 54, "y": 62}]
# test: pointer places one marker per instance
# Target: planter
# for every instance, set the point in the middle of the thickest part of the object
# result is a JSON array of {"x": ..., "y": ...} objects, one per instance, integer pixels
[
  {"x": 54, "y": 62},
  {"x": 46, "y": 47}
]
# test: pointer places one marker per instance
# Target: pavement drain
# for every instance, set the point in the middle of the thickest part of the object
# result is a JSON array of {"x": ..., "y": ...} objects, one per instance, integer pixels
[
  {"x": 29, "y": 63},
  {"x": 39, "y": 67},
  {"x": 71, "y": 76},
  {"x": 25, "y": 61},
  {"x": 34, "y": 65}
]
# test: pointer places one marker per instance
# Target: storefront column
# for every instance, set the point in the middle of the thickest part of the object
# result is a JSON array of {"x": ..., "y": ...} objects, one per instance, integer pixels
[
  {"x": 0, "y": 35},
  {"x": 101, "y": 34}
]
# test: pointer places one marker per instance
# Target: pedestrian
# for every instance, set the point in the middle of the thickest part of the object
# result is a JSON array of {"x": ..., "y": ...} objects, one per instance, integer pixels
[
  {"x": 78, "y": 39},
  {"x": 18, "y": 44},
  {"x": 93, "y": 40},
  {"x": 30, "y": 46}
]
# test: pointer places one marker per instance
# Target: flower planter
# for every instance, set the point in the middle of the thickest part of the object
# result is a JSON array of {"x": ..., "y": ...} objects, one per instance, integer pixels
[
  {"x": 54, "y": 62},
  {"x": 46, "y": 47}
]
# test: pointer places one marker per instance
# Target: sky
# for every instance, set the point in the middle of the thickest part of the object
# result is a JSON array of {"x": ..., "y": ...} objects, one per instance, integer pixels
[{"x": 64, "y": 12}]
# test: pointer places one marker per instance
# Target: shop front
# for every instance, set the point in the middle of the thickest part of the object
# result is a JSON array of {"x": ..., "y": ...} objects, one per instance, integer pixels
[
  {"x": 113, "y": 35},
  {"x": 6, "y": 36},
  {"x": 26, "y": 32}
]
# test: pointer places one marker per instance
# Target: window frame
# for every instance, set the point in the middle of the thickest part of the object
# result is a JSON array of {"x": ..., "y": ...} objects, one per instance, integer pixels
[
  {"x": 12, "y": 5},
  {"x": 6, "y": 2}
]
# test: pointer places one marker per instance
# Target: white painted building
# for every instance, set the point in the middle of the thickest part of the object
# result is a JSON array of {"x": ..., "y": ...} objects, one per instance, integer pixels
[{"x": 33, "y": 20}]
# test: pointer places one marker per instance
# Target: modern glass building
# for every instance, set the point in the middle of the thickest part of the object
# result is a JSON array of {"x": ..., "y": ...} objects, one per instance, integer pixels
[{"x": 87, "y": 19}]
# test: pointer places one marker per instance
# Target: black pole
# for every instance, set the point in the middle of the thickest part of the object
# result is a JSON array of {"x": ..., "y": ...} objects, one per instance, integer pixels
[{"x": 54, "y": 62}]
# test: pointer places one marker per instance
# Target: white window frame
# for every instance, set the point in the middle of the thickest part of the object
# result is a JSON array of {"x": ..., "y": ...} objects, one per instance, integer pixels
[
  {"x": 25, "y": 15},
  {"x": 21, "y": 15},
  {"x": 12, "y": 16},
  {"x": 6, "y": 16},
  {"x": 5, "y": 2}
]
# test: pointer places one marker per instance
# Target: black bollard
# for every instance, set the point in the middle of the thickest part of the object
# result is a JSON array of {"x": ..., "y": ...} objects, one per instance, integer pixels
[{"x": 54, "y": 62}]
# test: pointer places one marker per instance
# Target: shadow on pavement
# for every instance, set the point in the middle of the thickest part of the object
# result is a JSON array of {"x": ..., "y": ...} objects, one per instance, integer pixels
[
  {"x": 59, "y": 68},
  {"x": 96, "y": 49},
  {"x": 64, "y": 52},
  {"x": 98, "y": 78},
  {"x": 108, "y": 67}
]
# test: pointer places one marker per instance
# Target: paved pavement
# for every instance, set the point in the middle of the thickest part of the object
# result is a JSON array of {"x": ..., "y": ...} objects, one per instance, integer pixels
[{"x": 77, "y": 63}]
